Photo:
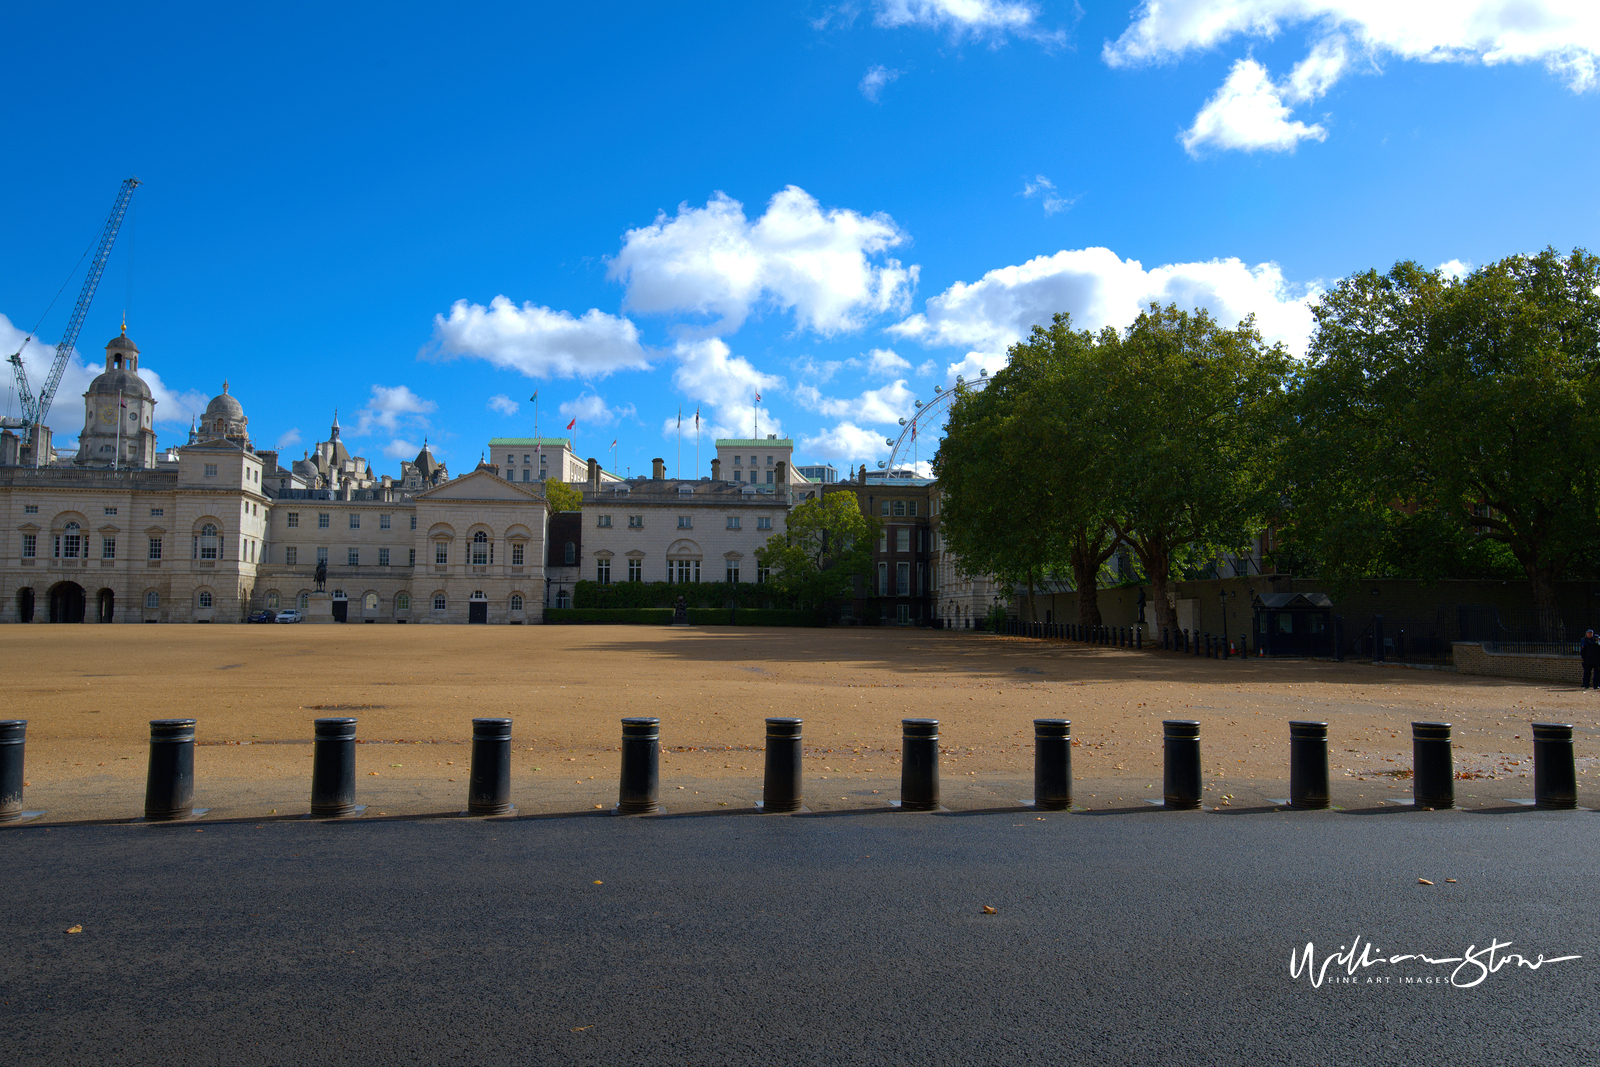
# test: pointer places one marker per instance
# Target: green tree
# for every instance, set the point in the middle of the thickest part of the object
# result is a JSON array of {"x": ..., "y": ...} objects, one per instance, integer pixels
[
  {"x": 1472, "y": 401},
  {"x": 1190, "y": 421},
  {"x": 826, "y": 543},
  {"x": 562, "y": 496}
]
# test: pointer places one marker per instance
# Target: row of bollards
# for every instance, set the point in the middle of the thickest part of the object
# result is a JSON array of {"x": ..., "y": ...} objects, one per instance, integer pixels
[{"x": 169, "y": 786}]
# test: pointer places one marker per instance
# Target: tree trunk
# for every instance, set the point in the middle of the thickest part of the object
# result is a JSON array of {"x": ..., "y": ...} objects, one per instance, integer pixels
[
  {"x": 1086, "y": 560},
  {"x": 1156, "y": 557},
  {"x": 1543, "y": 580}
]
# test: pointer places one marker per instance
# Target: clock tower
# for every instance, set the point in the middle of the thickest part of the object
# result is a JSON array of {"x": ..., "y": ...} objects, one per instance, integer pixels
[{"x": 118, "y": 413}]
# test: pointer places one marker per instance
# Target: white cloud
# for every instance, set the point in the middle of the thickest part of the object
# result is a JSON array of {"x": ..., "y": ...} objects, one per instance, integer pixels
[
  {"x": 846, "y": 442},
  {"x": 1562, "y": 34},
  {"x": 401, "y": 449},
  {"x": 1045, "y": 189},
  {"x": 874, "y": 81},
  {"x": 173, "y": 406},
  {"x": 883, "y": 406},
  {"x": 288, "y": 439},
  {"x": 885, "y": 361},
  {"x": 926, "y": 367},
  {"x": 977, "y": 18},
  {"x": 590, "y": 409},
  {"x": 1098, "y": 288},
  {"x": 390, "y": 408},
  {"x": 504, "y": 404},
  {"x": 796, "y": 257},
  {"x": 537, "y": 341},
  {"x": 1454, "y": 268},
  {"x": 725, "y": 386},
  {"x": 1248, "y": 113}
]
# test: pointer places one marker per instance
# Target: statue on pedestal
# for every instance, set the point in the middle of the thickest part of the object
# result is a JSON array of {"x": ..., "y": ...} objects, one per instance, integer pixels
[{"x": 322, "y": 574}]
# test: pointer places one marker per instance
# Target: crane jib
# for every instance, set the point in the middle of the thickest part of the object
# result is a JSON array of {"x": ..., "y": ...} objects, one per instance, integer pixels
[{"x": 35, "y": 408}]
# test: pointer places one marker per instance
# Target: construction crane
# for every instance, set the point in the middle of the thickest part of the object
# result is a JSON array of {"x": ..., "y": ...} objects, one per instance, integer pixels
[{"x": 35, "y": 408}]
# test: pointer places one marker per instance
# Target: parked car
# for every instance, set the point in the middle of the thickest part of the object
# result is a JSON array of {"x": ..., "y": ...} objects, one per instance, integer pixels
[
  {"x": 264, "y": 615},
  {"x": 290, "y": 615}
]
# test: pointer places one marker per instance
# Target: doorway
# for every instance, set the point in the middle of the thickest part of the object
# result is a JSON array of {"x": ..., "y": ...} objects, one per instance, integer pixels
[
  {"x": 477, "y": 611},
  {"x": 108, "y": 606},
  {"x": 66, "y": 602},
  {"x": 25, "y": 604},
  {"x": 341, "y": 610}
]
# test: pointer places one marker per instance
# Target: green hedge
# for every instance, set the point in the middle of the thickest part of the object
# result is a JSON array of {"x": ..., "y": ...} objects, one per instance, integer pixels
[
  {"x": 647, "y": 616},
  {"x": 697, "y": 616}
]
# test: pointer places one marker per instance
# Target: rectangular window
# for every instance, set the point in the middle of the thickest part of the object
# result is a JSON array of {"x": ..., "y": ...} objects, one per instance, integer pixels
[
  {"x": 903, "y": 614},
  {"x": 156, "y": 513},
  {"x": 413, "y": 522},
  {"x": 412, "y": 562},
  {"x": 323, "y": 520},
  {"x": 205, "y": 598},
  {"x": 353, "y": 557},
  {"x": 898, "y": 508},
  {"x": 109, "y": 511},
  {"x": 108, "y": 548},
  {"x": 603, "y": 522},
  {"x": 738, "y": 476},
  {"x": 883, "y": 540},
  {"x": 911, "y": 507},
  {"x": 602, "y": 571},
  {"x": 902, "y": 579},
  {"x": 769, "y": 477},
  {"x": 883, "y": 579},
  {"x": 902, "y": 539},
  {"x": 211, "y": 470},
  {"x": 355, "y": 520},
  {"x": 733, "y": 522},
  {"x": 152, "y": 599},
  {"x": 441, "y": 552},
  {"x": 30, "y": 545},
  {"x": 737, "y": 460},
  {"x": 685, "y": 522},
  {"x": 769, "y": 461},
  {"x": 30, "y": 509},
  {"x": 764, "y": 522},
  {"x": 635, "y": 522},
  {"x": 322, "y": 554},
  {"x": 516, "y": 554},
  {"x": 67, "y": 545},
  {"x": 480, "y": 553},
  {"x": 636, "y": 570},
  {"x": 733, "y": 572},
  {"x": 526, "y": 474},
  {"x": 291, "y": 555},
  {"x": 155, "y": 548},
  {"x": 762, "y": 574},
  {"x": 293, "y": 521},
  {"x": 384, "y": 522},
  {"x": 383, "y": 557}
]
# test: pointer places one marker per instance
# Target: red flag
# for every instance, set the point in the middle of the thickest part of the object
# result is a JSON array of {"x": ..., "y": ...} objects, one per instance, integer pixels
[
  {"x": 573, "y": 423},
  {"x": 758, "y": 398}
]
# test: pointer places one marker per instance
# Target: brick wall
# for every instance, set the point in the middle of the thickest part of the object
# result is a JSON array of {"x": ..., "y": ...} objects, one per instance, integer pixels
[{"x": 1472, "y": 658}]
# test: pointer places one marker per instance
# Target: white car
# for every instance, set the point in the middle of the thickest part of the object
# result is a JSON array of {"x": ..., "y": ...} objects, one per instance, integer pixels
[{"x": 290, "y": 615}]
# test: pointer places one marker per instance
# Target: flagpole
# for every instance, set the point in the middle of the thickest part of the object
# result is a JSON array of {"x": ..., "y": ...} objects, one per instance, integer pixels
[
  {"x": 680, "y": 441},
  {"x": 697, "y": 442}
]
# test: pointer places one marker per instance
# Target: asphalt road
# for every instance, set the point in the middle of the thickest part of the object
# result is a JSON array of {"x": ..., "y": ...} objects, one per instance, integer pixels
[{"x": 1130, "y": 937}]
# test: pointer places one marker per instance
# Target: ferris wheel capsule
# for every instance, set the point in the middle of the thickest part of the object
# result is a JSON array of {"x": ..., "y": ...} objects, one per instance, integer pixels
[
  {"x": 889, "y": 441},
  {"x": 919, "y": 403},
  {"x": 902, "y": 422},
  {"x": 938, "y": 389},
  {"x": 960, "y": 380},
  {"x": 984, "y": 373},
  {"x": 882, "y": 464}
]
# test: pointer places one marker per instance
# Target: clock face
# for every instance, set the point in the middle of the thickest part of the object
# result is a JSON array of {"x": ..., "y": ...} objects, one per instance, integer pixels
[{"x": 108, "y": 415}]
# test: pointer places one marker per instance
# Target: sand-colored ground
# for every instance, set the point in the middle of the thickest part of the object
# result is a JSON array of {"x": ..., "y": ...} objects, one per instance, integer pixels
[{"x": 88, "y": 692}]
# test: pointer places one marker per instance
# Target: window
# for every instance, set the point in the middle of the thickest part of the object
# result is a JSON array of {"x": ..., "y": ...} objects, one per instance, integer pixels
[
  {"x": 762, "y": 574},
  {"x": 516, "y": 598},
  {"x": 383, "y": 557},
  {"x": 291, "y": 555},
  {"x": 602, "y": 571},
  {"x": 733, "y": 522},
  {"x": 272, "y": 599},
  {"x": 902, "y": 579},
  {"x": 370, "y": 602},
  {"x": 353, "y": 557},
  {"x": 884, "y": 507},
  {"x": 764, "y": 522},
  {"x": 688, "y": 570},
  {"x": 413, "y": 522},
  {"x": 205, "y": 598},
  {"x": 109, "y": 511},
  {"x": 210, "y": 543},
  {"x": 441, "y": 553},
  {"x": 917, "y": 589},
  {"x": 685, "y": 522},
  {"x": 570, "y": 554},
  {"x": 517, "y": 553},
  {"x": 769, "y": 477},
  {"x": 883, "y": 579},
  {"x": 69, "y": 543},
  {"x": 635, "y": 522},
  {"x": 752, "y": 461},
  {"x": 898, "y": 508},
  {"x": 737, "y": 460},
  {"x": 155, "y": 548},
  {"x": 911, "y": 507},
  {"x": 480, "y": 549},
  {"x": 211, "y": 472},
  {"x": 293, "y": 522},
  {"x": 883, "y": 540},
  {"x": 152, "y": 599},
  {"x": 322, "y": 520},
  {"x": 108, "y": 548},
  {"x": 402, "y": 602},
  {"x": 526, "y": 474},
  {"x": 383, "y": 522},
  {"x": 412, "y": 561},
  {"x": 903, "y": 614},
  {"x": 30, "y": 545},
  {"x": 156, "y": 513},
  {"x": 438, "y": 602},
  {"x": 304, "y": 601},
  {"x": 902, "y": 539},
  {"x": 524, "y": 457},
  {"x": 355, "y": 520},
  {"x": 603, "y": 522},
  {"x": 33, "y": 509},
  {"x": 322, "y": 554},
  {"x": 769, "y": 461},
  {"x": 733, "y": 572},
  {"x": 636, "y": 570},
  {"x": 738, "y": 476}
]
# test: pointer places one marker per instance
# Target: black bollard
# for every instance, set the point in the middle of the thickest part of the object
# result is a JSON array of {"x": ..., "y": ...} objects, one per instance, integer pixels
[
  {"x": 1052, "y": 764},
  {"x": 1138, "y": 637},
  {"x": 1244, "y": 646},
  {"x": 641, "y": 767},
  {"x": 1223, "y": 641},
  {"x": 333, "y": 769},
  {"x": 919, "y": 765},
  {"x": 1555, "y": 780},
  {"x": 169, "y": 785},
  {"x": 1433, "y": 783},
  {"x": 1181, "y": 752},
  {"x": 13, "y": 742},
  {"x": 781, "y": 791},
  {"x": 1308, "y": 765},
  {"x": 489, "y": 784}
]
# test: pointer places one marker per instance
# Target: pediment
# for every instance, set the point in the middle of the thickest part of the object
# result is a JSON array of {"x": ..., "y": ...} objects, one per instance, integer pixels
[{"x": 480, "y": 485}]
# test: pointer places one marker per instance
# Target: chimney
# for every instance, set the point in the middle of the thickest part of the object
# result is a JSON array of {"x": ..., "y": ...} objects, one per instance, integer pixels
[
  {"x": 594, "y": 474},
  {"x": 658, "y": 470},
  {"x": 269, "y": 460},
  {"x": 783, "y": 473},
  {"x": 863, "y": 478},
  {"x": 716, "y": 470}
]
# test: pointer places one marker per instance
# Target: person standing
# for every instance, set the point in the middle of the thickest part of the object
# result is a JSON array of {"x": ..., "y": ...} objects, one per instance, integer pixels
[{"x": 1589, "y": 652}]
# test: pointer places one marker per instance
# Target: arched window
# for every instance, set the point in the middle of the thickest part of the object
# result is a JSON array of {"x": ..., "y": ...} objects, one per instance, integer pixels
[
  {"x": 70, "y": 543},
  {"x": 152, "y": 599},
  {"x": 478, "y": 594},
  {"x": 480, "y": 549},
  {"x": 402, "y": 602},
  {"x": 516, "y": 601},
  {"x": 438, "y": 602},
  {"x": 370, "y": 602},
  {"x": 305, "y": 601},
  {"x": 205, "y": 598},
  {"x": 272, "y": 599},
  {"x": 209, "y": 542},
  {"x": 571, "y": 555},
  {"x": 899, "y": 507}
]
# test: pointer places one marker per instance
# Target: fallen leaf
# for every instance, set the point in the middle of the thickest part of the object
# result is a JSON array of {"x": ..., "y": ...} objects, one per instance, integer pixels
[
  {"x": 1449, "y": 879},
  {"x": 1423, "y": 881},
  {"x": 75, "y": 928},
  {"x": 988, "y": 910},
  {"x": 598, "y": 882},
  {"x": 580, "y": 1029}
]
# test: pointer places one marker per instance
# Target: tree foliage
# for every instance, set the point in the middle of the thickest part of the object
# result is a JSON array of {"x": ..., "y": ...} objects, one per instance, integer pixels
[
  {"x": 826, "y": 546},
  {"x": 562, "y": 496}
]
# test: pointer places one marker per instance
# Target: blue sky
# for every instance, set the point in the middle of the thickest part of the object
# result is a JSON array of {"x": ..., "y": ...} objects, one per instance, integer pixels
[{"x": 421, "y": 214}]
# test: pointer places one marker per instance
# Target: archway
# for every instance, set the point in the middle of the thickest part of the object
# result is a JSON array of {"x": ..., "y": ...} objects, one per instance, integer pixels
[
  {"x": 25, "y": 604},
  {"x": 66, "y": 602},
  {"x": 108, "y": 606}
]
